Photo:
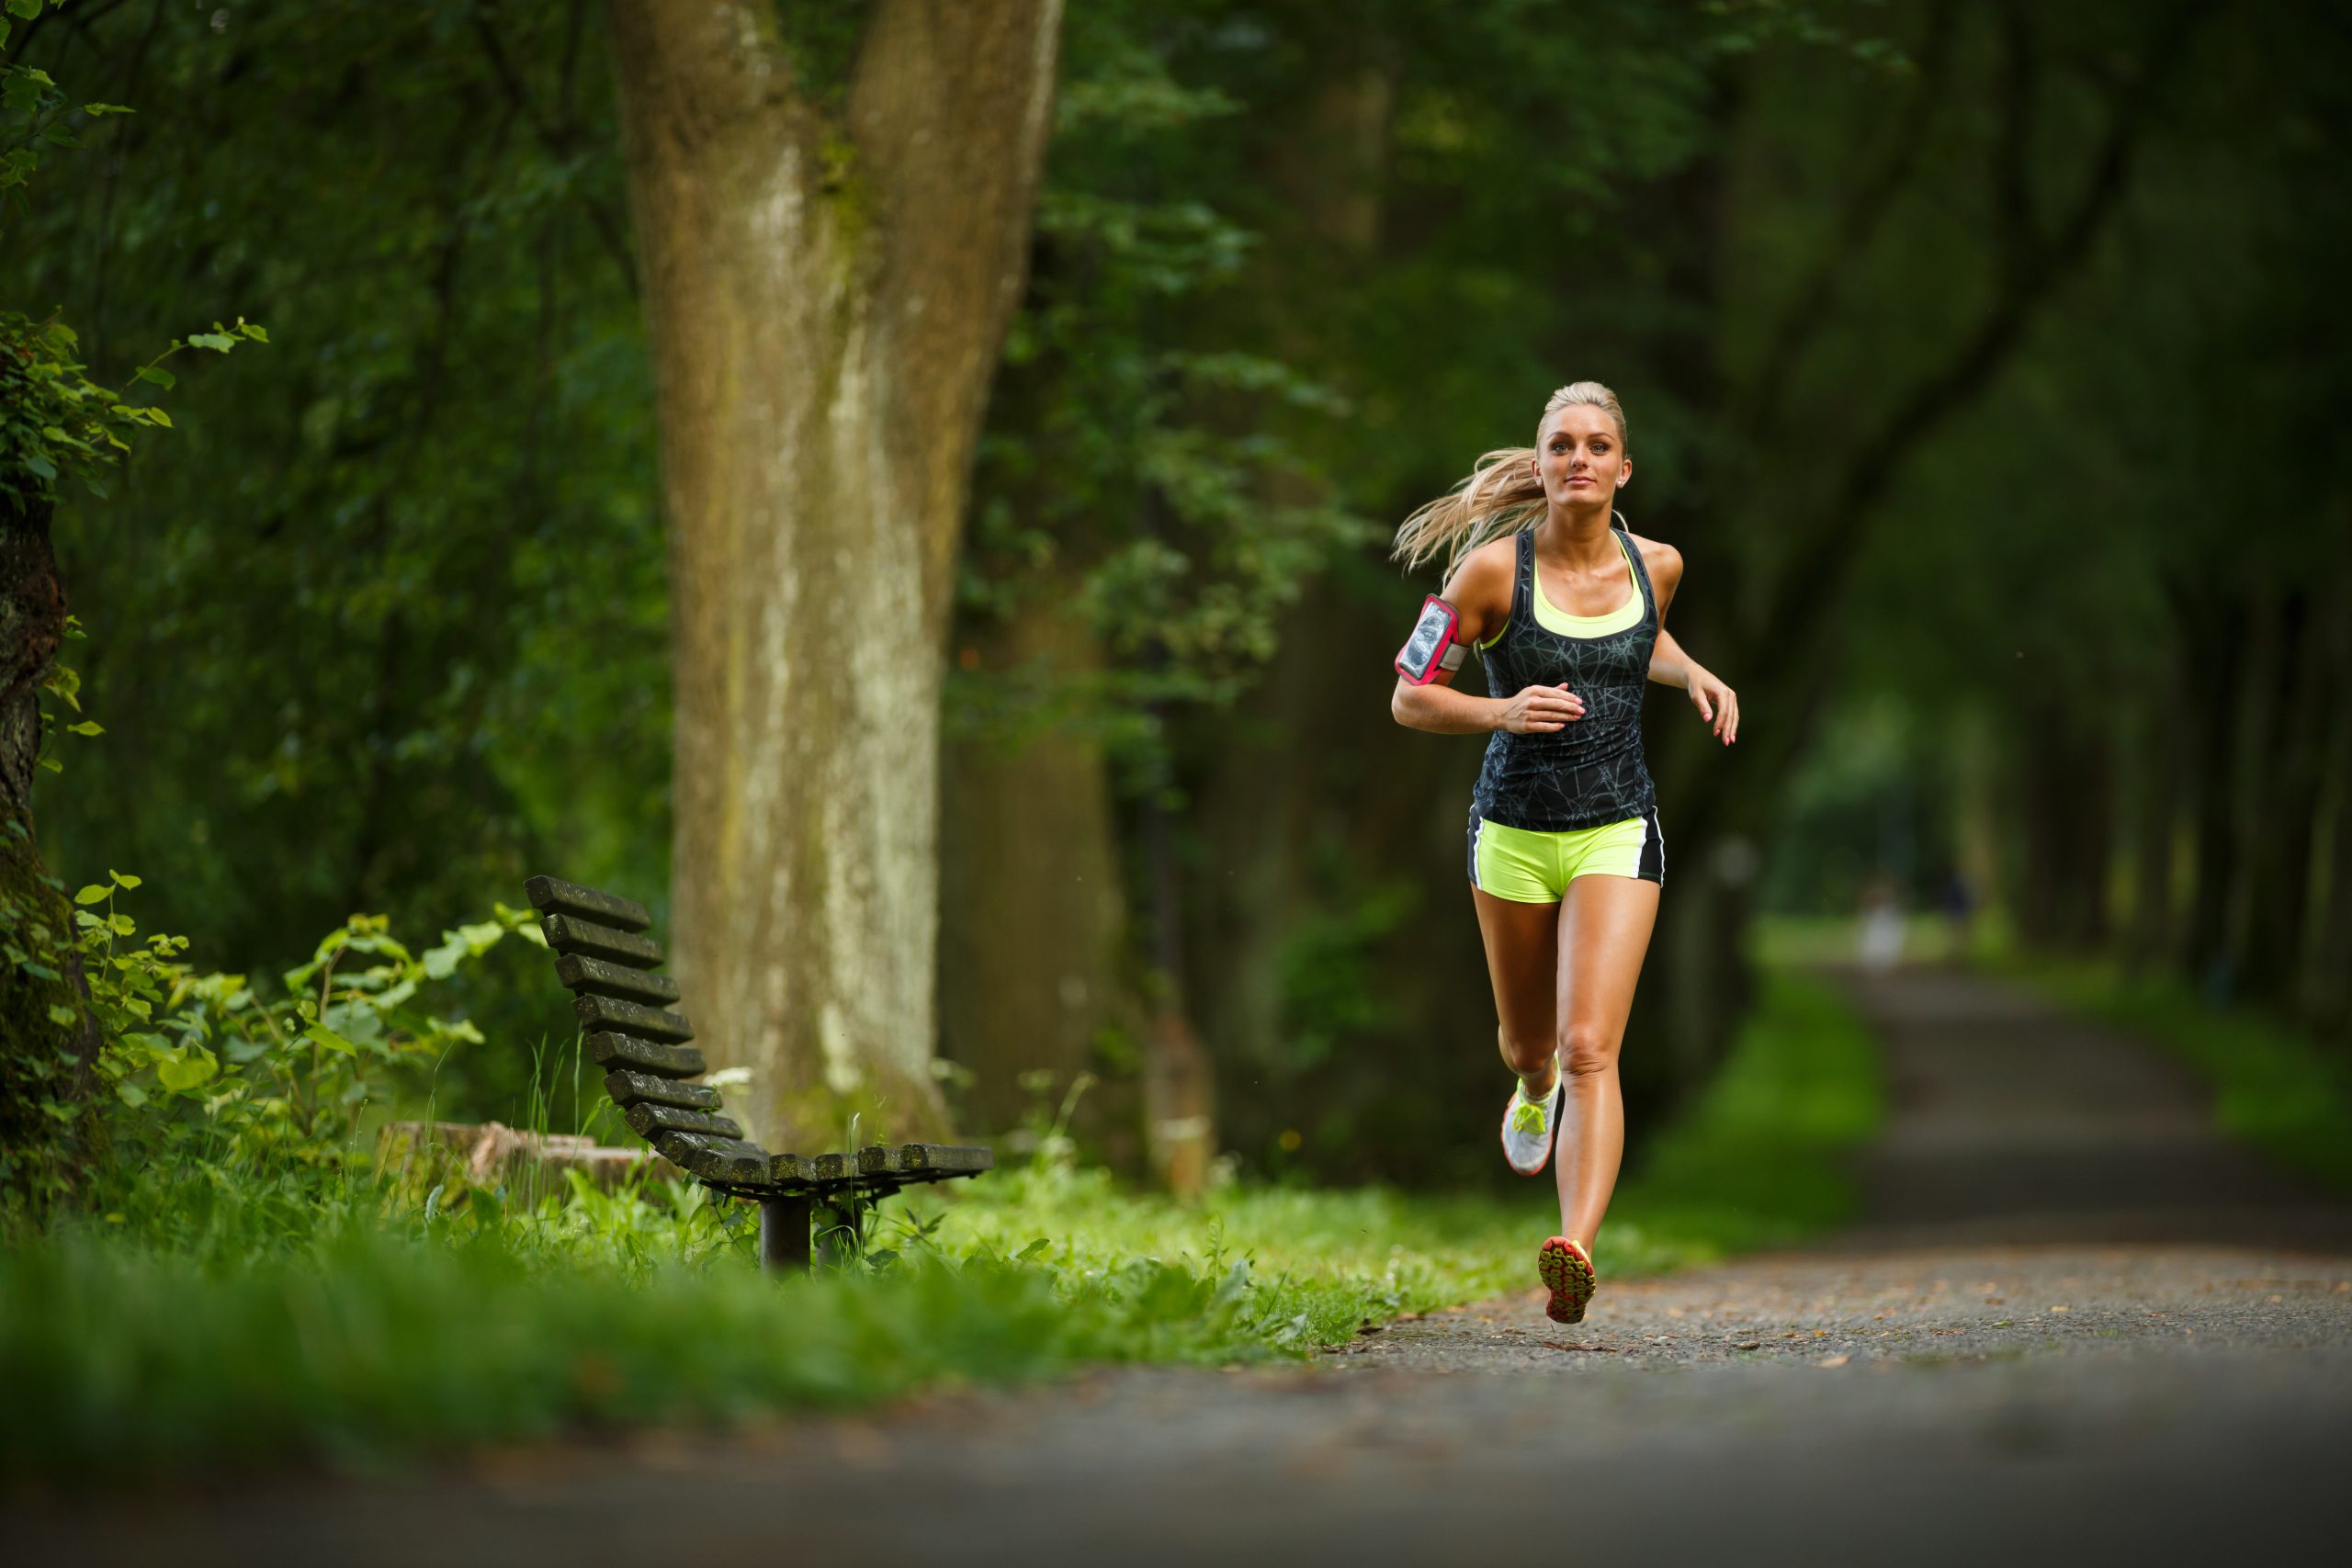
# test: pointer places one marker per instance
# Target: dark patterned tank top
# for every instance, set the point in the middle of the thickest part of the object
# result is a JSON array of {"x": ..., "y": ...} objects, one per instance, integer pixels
[{"x": 1591, "y": 772}]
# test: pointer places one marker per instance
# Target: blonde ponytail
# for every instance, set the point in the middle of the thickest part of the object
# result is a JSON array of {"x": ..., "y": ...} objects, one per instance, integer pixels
[{"x": 1501, "y": 496}]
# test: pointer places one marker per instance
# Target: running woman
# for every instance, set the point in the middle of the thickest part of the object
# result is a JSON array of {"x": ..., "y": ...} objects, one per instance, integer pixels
[{"x": 1566, "y": 608}]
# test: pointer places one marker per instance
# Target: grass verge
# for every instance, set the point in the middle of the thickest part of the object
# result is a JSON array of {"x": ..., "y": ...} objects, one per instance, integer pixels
[
  {"x": 2274, "y": 1086},
  {"x": 386, "y": 1335}
]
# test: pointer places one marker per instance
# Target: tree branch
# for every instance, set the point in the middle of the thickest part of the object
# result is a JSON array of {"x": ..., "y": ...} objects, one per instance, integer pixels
[
  {"x": 559, "y": 142},
  {"x": 1871, "y": 201}
]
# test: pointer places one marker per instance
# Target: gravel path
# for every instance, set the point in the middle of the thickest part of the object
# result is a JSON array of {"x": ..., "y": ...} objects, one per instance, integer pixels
[{"x": 2074, "y": 1326}]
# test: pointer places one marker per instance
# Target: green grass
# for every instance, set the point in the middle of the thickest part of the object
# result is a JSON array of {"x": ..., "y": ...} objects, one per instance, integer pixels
[
  {"x": 387, "y": 1333},
  {"x": 2274, "y": 1086}
]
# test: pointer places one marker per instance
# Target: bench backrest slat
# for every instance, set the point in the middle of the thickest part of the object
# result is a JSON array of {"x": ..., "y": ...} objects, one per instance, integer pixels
[
  {"x": 581, "y": 973},
  {"x": 569, "y": 933},
  {"x": 615, "y": 1051},
  {"x": 628, "y": 1088},
  {"x": 611, "y": 1015},
  {"x": 554, "y": 895}
]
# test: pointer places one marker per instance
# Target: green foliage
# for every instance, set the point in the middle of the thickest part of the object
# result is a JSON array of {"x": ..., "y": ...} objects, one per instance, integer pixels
[
  {"x": 392, "y": 623},
  {"x": 35, "y": 114},
  {"x": 1131, "y": 478},
  {"x": 214, "y": 1089},
  {"x": 55, "y": 420}
]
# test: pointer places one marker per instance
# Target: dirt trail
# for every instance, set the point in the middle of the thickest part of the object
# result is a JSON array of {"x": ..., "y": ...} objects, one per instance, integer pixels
[{"x": 2074, "y": 1326}]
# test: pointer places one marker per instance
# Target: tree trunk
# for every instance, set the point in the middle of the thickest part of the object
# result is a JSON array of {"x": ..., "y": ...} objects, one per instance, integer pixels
[
  {"x": 2283, "y": 787},
  {"x": 826, "y": 299},
  {"x": 2217, "y": 627},
  {"x": 2065, "y": 807},
  {"x": 48, "y": 1041},
  {"x": 2326, "y": 991},
  {"x": 1179, "y": 1091},
  {"x": 1034, "y": 960},
  {"x": 2155, "y": 807}
]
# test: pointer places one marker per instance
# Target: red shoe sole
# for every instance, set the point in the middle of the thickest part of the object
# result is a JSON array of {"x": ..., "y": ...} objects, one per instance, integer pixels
[{"x": 1566, "y": 1273}]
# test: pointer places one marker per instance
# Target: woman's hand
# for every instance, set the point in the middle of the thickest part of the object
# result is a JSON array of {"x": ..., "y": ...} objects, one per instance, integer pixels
[
  {"x": 1716, "y": 703},
  {"x": 1539, "y": 710}
]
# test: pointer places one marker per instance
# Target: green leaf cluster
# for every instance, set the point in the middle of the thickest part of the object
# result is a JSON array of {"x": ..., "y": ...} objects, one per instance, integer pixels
[{"x": 207, "y": 1077}]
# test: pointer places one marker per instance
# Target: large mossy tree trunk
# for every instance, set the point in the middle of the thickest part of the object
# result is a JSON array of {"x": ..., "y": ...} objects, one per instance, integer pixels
[
  {"x": 48, "y": 1041},
  {"x": 826, "y": 294}
]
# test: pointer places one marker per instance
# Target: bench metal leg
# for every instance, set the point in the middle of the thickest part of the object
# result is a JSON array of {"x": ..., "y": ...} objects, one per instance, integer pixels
[{"x": 784, "y": 1234}]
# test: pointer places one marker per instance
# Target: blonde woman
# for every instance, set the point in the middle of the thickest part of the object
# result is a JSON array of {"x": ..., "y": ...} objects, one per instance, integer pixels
[{"x": 1567, "y": 609}]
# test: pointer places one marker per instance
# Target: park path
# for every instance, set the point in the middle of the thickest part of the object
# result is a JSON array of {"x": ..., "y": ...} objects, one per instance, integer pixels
[{"x": 2073, "y": 1326}]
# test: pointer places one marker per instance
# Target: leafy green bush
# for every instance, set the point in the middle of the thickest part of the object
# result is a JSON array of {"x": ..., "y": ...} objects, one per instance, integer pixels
[{"x": 214, "y": 1090}]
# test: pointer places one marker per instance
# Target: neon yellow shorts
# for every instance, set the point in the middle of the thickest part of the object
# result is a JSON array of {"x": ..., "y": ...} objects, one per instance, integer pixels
[{"x": 1535, "y": 868}]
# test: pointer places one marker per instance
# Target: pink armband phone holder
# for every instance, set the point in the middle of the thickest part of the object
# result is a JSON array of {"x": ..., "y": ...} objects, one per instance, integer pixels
[{"x": 1431, "y": 648}]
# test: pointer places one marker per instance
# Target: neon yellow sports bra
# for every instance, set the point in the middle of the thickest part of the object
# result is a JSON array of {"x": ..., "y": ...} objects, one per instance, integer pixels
[{"x": 1558, "y": 622}]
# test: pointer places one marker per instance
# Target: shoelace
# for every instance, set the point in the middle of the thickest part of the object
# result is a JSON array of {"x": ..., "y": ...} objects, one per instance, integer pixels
[{"x": 1527, "y": 1116}]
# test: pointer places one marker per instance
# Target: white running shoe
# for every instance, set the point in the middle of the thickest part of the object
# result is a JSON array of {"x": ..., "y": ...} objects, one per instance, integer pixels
[{"x": 1528, "y": 1125}]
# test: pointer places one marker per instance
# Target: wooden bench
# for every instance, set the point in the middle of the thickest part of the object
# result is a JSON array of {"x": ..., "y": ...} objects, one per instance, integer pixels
[{"x": 634, "y": 1031}]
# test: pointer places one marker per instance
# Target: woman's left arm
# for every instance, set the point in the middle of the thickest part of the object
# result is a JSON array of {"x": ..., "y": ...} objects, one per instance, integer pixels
[{"x": 1670, "y": 666}]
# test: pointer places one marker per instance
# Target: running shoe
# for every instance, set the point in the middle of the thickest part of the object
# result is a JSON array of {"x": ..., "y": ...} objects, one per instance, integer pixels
[
  {"x": 1567, "y": 1271},
  {"x": 1529, "y": 1125}
]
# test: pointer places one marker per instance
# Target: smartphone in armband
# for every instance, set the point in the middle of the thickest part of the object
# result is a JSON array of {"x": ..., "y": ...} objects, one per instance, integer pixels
[{"x": 1431, "y": 648}]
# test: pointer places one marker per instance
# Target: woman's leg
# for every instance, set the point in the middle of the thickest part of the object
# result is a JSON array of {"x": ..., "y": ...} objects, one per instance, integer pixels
[
  {"x": 1522, "y": 952},
  {"x": 1604, "y": 933}
]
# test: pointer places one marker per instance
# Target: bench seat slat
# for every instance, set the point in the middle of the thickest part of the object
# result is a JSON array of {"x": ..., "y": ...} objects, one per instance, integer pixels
[
  {"x": 629, "y": 1088},
  {"x": 727, "y": 1160},
  {"x": 584, "y": 974},
  {"x": 650, "y": 1120},
  {"x": 554, "y": 895},
  {"x": 569, "y": 933},
  {"x": 613, "y": 1051},
  {"x": 931, "y": 1162},
  {"x": 612, "y": 1015}
]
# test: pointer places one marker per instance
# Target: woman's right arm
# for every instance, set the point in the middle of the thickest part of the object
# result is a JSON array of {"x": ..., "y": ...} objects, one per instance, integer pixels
[{"x": 1480, "y": 595}]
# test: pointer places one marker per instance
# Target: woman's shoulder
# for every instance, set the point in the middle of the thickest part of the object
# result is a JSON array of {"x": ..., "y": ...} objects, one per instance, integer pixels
[
  {"x": 1659, "y": 558},
  {"x": 1486, "y": 571}
]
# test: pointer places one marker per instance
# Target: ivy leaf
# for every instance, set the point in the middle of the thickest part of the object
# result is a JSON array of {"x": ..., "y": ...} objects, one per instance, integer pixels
[
  {"x": 218, "y": 342},
  {"x": 123, "y": 878},
  {"x": 319, "y": 1033},
  {"x": 28, "y": 10},
  {"x": 94, "y": 893},
  {"x": 63, "y": 1016},
  {"x": 157, "y": 374},
  {"x": 87, "y": 727}
]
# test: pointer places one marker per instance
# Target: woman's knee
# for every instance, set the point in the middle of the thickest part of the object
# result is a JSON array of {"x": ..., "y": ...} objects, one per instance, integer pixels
[
  {"x": 1524, "y": 1055},
  {"x": 1587, "y": 1049}
]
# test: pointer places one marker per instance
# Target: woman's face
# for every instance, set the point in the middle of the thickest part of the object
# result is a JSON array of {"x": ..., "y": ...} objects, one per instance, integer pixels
[{"x": 1579, "y": 458}]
